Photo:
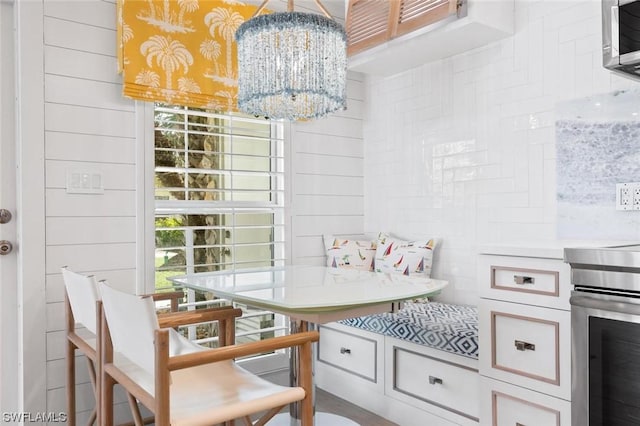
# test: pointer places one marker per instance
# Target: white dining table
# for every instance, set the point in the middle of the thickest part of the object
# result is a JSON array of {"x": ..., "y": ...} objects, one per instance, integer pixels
[{"x": 312, "y": 295}]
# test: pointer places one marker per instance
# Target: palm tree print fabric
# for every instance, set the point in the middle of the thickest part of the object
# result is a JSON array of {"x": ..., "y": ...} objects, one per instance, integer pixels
[{"x": 181, "y": 52}]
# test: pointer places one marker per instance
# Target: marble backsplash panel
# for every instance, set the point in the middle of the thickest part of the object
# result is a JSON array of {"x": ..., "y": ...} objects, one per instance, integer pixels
[{"x": 598, "y": 145}]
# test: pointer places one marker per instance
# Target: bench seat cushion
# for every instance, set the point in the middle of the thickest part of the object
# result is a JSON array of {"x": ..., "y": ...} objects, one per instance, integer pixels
[{"x": 451, "y": 328}]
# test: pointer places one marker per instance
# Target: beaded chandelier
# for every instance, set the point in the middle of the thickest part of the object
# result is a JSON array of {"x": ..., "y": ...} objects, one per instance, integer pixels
[{"x": 291, "y": 65}]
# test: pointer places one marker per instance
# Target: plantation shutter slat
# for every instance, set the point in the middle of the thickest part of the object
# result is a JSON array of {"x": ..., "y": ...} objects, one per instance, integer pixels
[
  {"x": 416, "y": 14},
  {"x": 372, "y": 22},
  {"x": 368, "y": 24}
]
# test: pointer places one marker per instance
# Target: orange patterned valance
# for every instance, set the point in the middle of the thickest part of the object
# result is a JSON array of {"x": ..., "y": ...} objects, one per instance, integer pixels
[{"x": 180, "y": 52}]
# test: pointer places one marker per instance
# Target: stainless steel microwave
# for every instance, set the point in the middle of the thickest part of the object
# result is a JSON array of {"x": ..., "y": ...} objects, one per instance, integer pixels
[{"x": 621, "y": 36}]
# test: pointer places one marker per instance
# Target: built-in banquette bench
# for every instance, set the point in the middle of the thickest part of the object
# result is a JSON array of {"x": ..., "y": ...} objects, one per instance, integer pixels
[{"x": 417, "y": 366}]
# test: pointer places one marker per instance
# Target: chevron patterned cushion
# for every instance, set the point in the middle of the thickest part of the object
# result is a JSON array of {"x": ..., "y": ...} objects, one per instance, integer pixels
[{"x": 451, "y": 328}]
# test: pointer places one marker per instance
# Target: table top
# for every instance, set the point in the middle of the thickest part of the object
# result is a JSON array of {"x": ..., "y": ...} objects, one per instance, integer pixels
[{"x": 301, "y": 291}]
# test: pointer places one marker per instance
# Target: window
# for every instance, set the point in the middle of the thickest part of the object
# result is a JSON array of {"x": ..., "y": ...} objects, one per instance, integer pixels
[{"x": 219, "y": 191}]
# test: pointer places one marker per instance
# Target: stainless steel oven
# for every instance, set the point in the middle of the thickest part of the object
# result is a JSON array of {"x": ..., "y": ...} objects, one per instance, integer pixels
[{"x": 605, "y": 336}]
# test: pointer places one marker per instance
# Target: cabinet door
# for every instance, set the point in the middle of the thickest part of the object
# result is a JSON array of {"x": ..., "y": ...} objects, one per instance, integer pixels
[{"x": 526, "y": 345}]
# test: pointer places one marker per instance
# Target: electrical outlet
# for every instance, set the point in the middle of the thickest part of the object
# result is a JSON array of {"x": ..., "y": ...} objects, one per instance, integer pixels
[
  {"x": 636, "y": 198},
  {"x": 628, "y": 196}
]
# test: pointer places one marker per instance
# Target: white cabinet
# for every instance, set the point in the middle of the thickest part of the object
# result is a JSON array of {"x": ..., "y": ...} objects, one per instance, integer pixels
[
  {"x": 480, "y": 22},
  {"x": 407, "y": 383},
  {"x": 525, "y": 337}
]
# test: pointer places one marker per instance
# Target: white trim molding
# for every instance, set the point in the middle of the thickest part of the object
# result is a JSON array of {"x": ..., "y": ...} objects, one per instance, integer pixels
[{"x": 30, "y": 124}]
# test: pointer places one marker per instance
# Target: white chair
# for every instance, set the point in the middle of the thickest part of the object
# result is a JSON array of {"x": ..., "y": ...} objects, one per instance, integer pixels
[
  {"x": 83, "y": 307},
  {"x": 204, "y": 387},
  {"x": 81, "y": 295}
]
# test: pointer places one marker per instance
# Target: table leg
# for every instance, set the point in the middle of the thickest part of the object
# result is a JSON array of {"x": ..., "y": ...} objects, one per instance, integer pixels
[{"x": 296, "y": 326}]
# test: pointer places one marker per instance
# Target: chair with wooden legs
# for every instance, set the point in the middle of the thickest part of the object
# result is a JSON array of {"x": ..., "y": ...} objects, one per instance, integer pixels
[
  {"x": 82, "y": 307},
  {"x": 205, "y": 387}
]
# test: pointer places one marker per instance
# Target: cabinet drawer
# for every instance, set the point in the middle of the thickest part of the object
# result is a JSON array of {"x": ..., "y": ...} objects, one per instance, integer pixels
[
  {"x": 508, "y": 405},
  {"x": 508, "y": 410},
  {"x": 350, "y": 352},
  {"x": 534, "y": 281},
  {"x": 527, "y": 345},
  {"x": 441, "y": 383}
]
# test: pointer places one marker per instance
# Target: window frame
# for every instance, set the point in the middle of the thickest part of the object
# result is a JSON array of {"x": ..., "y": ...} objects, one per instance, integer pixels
[{"x": 146, "y": 210}]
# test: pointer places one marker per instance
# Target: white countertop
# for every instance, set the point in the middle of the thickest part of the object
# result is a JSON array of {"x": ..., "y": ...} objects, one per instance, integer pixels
[{"x": 550, "y": 250}]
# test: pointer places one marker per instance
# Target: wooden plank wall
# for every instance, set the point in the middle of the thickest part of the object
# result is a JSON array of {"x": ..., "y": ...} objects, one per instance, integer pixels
[
  {"x": 88, "y": 126},
  {"x": 327, "y": 177}
]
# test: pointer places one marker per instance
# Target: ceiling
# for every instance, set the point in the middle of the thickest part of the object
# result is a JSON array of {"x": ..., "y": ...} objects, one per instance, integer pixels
[{"x": 335, "y": 7}]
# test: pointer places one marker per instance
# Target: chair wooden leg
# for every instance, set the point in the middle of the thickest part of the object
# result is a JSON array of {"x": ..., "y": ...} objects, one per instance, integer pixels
[
  {"x": 106, "y": 405},
  {"x": 306, "y": 380},
  {"x": 268, "y": 416},
  {"x": 92, "y": 376},
  {"x": 97, "y": 366},
  {"x": 92, "y": 418},
  {"x": 162, "y": 378},
  {"x": 135, "y": 410},
  {"x": 106, "y": 382},
  {"x": 71, "y": 384}
]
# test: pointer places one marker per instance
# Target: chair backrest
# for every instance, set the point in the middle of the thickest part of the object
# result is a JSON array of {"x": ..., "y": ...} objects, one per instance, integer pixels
[
  {"x": 82, "y": 291},
  {"x": 132, "y": 322}
]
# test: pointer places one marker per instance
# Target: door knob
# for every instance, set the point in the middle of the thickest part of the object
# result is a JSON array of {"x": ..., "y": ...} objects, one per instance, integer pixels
[
  {"x": 435, "y": 380},
  {"x": 5, "y": 247},
  {"x": 5, "y": 216}
]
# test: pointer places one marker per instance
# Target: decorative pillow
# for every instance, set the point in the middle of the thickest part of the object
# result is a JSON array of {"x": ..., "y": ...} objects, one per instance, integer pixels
[
  {"x": 350, "y": 253},
  {"x": 404, "y": 257}
]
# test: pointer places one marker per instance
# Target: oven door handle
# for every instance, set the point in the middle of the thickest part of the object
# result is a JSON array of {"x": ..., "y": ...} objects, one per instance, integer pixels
[{"x": 623, "y": 305}]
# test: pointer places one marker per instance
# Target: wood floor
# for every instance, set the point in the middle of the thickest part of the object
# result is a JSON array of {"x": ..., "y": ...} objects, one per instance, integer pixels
[
  {"x": 329, "y": 403},
  {"x": 332, "y": 404}
]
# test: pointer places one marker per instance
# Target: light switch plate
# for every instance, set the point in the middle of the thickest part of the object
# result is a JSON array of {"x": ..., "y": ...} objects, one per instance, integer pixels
[{"x": 85, "y": 182}]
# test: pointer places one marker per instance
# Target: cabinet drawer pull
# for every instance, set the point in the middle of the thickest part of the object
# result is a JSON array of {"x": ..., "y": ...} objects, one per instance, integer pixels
[
  {"x": 435, "y": 380},
  {"x": 524, "y": 346},
  {"x": 523, "y": 279},
  {"x": 345, "y": 351}
]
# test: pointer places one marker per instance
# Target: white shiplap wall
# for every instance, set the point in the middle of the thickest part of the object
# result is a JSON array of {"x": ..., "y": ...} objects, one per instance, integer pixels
[
  {"x": 327, "y": 177},
  {"x": 88, "y": 126},
  {"x": 464, "y": 148}
]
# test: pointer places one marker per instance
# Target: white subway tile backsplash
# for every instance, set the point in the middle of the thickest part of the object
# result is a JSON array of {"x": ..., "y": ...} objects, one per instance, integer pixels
[
  {"x": 477, "y": 163},
  {"x": 580, "y": 29}
]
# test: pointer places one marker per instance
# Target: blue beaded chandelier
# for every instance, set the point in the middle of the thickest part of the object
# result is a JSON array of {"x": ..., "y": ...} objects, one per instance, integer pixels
[{"x": 291, "y": 65}]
